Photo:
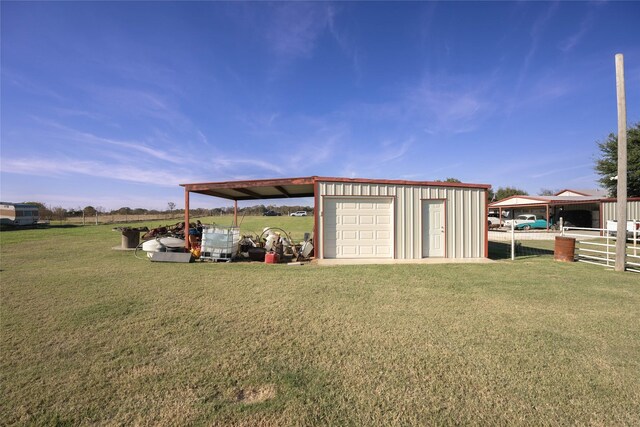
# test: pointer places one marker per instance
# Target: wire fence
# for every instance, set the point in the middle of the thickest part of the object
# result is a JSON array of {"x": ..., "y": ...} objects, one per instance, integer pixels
[{"x": 503, "y": 250}]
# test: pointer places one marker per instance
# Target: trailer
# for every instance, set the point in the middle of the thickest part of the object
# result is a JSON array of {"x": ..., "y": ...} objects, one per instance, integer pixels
[
  {"x": 633, "y": 227},
  {"x": 18, "y": 214}
]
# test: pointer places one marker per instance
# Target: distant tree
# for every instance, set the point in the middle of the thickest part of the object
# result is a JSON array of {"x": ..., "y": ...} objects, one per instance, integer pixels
[
  {"x": 59, "y": 213},
  {"x": 89, "y": 211},
  {"x": 449, "y": 180},
  {"x": 504, "y": 192},
  {"x": 547, "y": 192},
  {"x": 124, "y": 211},
  {"x": 607, "y": 165}
]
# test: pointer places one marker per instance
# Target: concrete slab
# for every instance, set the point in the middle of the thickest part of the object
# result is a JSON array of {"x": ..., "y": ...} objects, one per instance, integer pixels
[{"x": 403, "y": 261}]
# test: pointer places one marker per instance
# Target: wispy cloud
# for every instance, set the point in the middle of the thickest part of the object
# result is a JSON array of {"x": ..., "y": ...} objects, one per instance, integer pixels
[
  {"x": 367, "y": 164},
  {"x": 346, "y": 45},
  {"x": 89, "y": 138},
  {"x": 537, "y": 32},
  {"x": 295, "y": 27},
  {"x": 562, "y": 169},
  {"x": 73, "y": 166},
  {"x": 392, "y": 150},
  {"x": 586, "y": 24},
  {"x": 30, "y": 86}
]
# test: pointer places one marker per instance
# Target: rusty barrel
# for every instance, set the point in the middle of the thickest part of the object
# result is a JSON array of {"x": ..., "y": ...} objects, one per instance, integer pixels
[{"x": 564, "y": 249}]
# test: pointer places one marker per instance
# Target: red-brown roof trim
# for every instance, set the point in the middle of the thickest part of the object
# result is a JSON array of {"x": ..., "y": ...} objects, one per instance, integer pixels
[
  {"x": 613, "y": 199},
  {"x": 402, "y": 182}
]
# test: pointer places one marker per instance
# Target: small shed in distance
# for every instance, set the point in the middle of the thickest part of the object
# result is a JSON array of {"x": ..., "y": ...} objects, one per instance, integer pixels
[{"x": 357, "y": 218}]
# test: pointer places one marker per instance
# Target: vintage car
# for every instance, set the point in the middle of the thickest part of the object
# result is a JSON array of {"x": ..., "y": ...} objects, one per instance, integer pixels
[
  {"x": 520, "y": 219},
  {"x": 536, "y": 224}
]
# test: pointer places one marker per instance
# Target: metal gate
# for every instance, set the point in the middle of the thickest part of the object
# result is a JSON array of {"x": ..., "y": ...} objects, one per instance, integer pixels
[{"x": 598, "y": 246}]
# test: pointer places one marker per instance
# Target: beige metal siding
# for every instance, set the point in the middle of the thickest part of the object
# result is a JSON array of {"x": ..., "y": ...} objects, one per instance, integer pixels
[
  {"x": 609, "y": 211},
  {"x": 465, "y": 215}
]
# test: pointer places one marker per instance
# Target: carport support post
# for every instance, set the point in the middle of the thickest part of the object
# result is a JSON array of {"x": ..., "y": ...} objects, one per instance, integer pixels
[
  {"x": 547, "y": 217},
  {"x": 186, "y": 218},
  {"x": 235, "y": 213},
  {"x": 621, "y": 236},
  {"x": 513, "y": 239}
]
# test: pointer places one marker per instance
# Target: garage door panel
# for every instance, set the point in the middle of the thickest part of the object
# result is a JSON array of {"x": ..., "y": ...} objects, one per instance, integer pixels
[
  {"x": 366, "y": 219},
  {"x": 366, "y": 235},
  {"x": 349, "y": 235},
  {"x": 383, "y": 234},
  {"x": 349, "y": 220},
  {"x": 358, "y": 228},
  {"x": 382, "y": 251},
  {"x": 383, "y": 219},
  {"x": 366, "y": 250},
  {"x": 349, "y": 250}
]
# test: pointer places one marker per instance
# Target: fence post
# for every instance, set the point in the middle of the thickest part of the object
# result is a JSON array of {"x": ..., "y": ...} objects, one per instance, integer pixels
[{"x": 513, "y": 239}]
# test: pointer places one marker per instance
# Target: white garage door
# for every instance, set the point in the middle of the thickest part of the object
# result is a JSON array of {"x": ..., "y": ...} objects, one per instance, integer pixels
[{"x": 358, "y": 227}]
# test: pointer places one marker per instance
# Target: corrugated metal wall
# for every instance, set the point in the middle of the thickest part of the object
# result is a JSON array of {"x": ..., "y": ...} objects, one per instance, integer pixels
[
  {"x": 609, "y": 211},
  {"x": 465, "y": 215}
]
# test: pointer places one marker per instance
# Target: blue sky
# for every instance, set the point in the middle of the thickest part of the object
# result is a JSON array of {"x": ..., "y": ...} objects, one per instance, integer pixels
[{"x": 115, "y": 104}]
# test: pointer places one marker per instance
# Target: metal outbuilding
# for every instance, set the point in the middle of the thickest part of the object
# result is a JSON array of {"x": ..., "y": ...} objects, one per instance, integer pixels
[
  {"x": 377, "y": 219},
  {"x": 596, "y": 207}
]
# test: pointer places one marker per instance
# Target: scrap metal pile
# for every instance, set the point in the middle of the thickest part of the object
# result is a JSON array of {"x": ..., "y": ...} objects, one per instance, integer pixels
[{"x": 218, "y": 243}]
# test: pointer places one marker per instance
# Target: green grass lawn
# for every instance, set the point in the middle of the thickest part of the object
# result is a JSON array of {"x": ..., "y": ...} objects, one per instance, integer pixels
[{"x": 95, "y": 336}]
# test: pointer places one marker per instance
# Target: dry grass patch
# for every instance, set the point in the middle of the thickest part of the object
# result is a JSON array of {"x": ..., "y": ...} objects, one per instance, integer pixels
[{"x": 251, "y": 395}]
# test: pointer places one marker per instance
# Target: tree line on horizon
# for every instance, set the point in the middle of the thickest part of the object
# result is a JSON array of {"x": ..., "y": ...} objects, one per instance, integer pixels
[{"x": 59, "y": 213}]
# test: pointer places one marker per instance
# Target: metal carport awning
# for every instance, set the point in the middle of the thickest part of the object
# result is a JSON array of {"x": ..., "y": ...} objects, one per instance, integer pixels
[{"x": 257, "y": 189}]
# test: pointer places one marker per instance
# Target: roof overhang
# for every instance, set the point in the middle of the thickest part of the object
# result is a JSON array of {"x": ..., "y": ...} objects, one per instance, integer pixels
[
  {"x": 282, "y": 188},
  {"x": 518, "y": 201},
  {"x": 256, "y": 189}
]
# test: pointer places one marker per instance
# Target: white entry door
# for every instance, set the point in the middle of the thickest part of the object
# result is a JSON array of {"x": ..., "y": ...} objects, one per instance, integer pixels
[
  {"x": 358, "y": 227},
  {"x": 433, "y": 229}
]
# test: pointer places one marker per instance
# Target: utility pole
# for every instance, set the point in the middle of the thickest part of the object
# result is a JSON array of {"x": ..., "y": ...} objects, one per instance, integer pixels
[{"x": 621, "y": 236}]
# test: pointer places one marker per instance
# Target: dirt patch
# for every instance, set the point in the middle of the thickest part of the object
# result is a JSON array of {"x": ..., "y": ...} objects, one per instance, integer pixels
[{"x": 249, "y": 396}]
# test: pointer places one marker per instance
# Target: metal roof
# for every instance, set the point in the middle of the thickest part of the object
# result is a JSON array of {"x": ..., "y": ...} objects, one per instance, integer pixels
[
  {"x": 280, "y": 188},
  {"x": 593, "y": 192},
  {"x": 255, "y": 189},
  {"x": 514, "y": 201}
]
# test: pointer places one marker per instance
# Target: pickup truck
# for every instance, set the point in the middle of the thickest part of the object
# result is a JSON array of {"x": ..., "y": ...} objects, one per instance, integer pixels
[{"x": 632, "y": 226}]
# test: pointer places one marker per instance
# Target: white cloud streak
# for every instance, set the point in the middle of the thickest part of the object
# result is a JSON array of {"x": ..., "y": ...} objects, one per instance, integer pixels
[
  {"x": 69, "y": 166},
  {"x": 295, "y": 27}
]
